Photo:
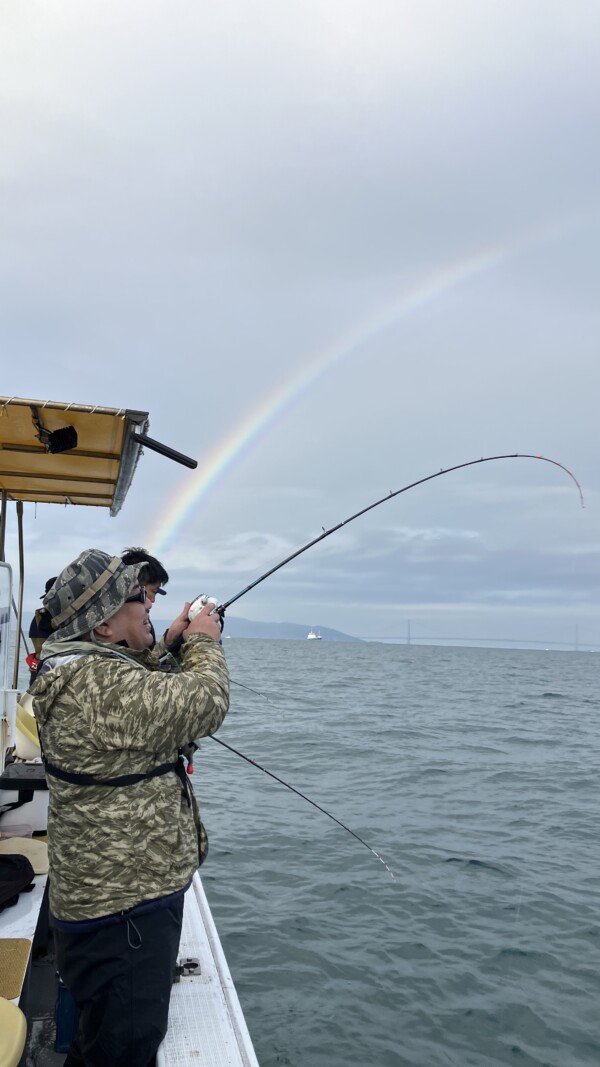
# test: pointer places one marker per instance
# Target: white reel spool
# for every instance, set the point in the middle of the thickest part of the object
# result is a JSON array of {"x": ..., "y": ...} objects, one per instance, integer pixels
[{"x": 200, "y": 602}]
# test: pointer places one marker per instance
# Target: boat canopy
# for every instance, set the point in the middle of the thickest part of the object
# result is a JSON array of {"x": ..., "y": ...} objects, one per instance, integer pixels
[{"x": 59, "y": 453}]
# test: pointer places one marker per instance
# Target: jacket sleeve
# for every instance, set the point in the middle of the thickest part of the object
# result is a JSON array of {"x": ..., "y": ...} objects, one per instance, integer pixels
[
  {"x": 159, "y": 649},
  {"x": 129, "y": 707}
]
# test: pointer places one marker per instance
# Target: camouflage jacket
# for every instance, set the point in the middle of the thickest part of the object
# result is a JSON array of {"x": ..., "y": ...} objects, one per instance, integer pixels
[{"x": 106, "y": 711}]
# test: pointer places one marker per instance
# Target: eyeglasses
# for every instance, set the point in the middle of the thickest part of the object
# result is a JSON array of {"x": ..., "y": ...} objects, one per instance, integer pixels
[{"x": 138, "y": 598}]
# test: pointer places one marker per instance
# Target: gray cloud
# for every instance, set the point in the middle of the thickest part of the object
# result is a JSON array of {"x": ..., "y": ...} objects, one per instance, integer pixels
[{"x": 197, "y": 201}]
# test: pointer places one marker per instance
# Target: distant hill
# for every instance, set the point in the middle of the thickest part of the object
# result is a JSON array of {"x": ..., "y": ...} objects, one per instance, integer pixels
[
  {"x": 288, "y": 631},
  {"x": 235, "y": 627},
  {"x": 285, "y": 631}
]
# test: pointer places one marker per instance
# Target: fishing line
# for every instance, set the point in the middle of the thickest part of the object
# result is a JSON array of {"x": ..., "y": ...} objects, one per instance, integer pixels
[
  {"x": 221, "y": 609},
  {"x": 306, "y": 703},
  {"x": 263, "y": 696},
  {"x": 298, "y": 793}
]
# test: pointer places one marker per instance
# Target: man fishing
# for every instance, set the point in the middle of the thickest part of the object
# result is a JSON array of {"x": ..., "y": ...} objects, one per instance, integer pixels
[{"x": 124, "y": 833}]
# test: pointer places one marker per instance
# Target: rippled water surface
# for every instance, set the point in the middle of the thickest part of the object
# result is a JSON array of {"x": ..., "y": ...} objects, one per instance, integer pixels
[{"x": 474, "y": 773}]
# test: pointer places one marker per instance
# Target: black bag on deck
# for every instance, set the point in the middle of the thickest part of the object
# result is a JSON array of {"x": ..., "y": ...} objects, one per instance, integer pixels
[{"x": 16, "y": 876}]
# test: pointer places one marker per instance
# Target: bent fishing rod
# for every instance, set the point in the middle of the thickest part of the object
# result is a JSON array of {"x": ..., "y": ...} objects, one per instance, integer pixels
[{"x": 221, "y": 608}]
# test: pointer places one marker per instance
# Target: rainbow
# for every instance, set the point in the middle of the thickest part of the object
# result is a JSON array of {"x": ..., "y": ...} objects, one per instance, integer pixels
[{"x": 273, "y": 406}]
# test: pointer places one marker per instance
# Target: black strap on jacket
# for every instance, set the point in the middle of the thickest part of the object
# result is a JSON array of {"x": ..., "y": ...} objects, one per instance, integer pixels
[{"x": 124, "y": 779}]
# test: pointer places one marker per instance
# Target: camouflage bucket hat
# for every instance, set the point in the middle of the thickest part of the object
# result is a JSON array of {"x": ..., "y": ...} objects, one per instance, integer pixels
[{"x": 88, "y": 592}]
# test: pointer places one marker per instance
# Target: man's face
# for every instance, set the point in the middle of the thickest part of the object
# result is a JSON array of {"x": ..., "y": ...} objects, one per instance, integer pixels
[
  {"x": 151, "y": 590},
  {"x": 131, "y": 624}
]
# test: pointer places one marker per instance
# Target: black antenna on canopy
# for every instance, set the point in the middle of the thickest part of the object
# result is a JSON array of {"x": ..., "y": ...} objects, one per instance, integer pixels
[{"x": 164, "y": 450}]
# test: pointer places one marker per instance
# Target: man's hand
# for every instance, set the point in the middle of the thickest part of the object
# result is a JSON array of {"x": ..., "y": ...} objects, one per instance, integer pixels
[{"x": 178, "y": 626}]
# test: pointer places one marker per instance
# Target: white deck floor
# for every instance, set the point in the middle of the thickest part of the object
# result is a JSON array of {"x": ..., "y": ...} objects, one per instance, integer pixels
[{"x": 206, "y": 1024}]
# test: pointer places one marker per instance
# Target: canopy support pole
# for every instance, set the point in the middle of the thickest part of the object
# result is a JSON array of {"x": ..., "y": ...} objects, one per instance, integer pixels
[
  {"x": 3, "y": 524},
  {"x": 20, "y": 597}
]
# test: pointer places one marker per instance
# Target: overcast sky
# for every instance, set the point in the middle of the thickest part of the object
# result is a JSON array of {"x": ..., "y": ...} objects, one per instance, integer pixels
[{"x": 357, "y": 237}]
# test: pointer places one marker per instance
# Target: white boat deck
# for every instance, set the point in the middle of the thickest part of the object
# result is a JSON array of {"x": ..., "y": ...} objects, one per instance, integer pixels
[{"x": 206, "y": 1024}]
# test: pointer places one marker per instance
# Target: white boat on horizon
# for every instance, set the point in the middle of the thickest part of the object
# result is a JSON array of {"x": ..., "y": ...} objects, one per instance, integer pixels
[{"x": 312, "y": 636}]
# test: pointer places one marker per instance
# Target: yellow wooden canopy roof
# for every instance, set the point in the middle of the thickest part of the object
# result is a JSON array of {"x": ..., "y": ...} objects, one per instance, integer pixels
[{"x": 96, "y": 469}]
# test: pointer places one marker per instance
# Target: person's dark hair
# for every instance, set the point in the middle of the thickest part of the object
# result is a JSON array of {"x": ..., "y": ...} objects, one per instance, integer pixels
[
  {"x": 153, "y": 571},
  {"x": 43, "y": 619}
]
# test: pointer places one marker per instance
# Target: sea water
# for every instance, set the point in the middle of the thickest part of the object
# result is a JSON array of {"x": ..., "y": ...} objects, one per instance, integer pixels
[{"x": 474, "y": 774}]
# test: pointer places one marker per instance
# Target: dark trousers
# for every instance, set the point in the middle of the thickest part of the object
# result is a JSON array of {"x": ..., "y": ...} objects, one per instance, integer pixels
[{"x": 120, "y": 977}]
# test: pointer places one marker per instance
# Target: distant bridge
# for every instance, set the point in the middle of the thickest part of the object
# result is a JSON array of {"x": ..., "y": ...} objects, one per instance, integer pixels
[{"x": 575, "y": 646}]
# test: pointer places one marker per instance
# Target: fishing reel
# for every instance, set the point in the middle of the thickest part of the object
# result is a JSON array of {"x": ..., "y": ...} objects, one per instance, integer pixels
[{"x": 200, "y": 602}]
